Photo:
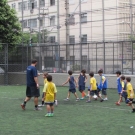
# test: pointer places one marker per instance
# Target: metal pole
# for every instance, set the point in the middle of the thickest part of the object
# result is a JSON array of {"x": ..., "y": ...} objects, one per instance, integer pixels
[
  {"x": 58, "y": 34},
  {"x": 80, "y": 32},
  {"x": 67, "y": 35},
  {"x": 122, "y": 57},
  {"x": 39, "y": 37},
  {"x": 103, "y": 13},
  {"x": 22, "y": 21},
  {"x": 113, "y": 57}
]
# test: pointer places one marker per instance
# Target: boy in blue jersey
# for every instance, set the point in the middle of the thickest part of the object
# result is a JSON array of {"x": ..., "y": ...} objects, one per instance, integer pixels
[
  {"x": 119, "y": 85},
  {"x": 82, "y": 79},
  {"x": 123, "y": 92},
  {"x": 103, "y": 84},
  {"x": 72, "y": 87}
]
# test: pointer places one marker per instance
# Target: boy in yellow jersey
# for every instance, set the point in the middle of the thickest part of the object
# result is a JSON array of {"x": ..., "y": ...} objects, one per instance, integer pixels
[
  {"x": 49, "y": 96},
  {"x": 93, "y": 88},
  {"x": 45, "y": 81},
  {"x": 130, "y": 94}
]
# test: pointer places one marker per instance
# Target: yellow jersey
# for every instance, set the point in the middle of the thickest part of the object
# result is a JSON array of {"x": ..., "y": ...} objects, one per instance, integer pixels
[
  {"x": 93, "y": 83},
  {"x": 130, "y": 91},
  {"x": 49, "y": 90}
]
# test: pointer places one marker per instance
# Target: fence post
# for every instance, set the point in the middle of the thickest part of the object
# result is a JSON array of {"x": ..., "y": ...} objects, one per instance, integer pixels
[
  {"x": 96, "y": 57},
  {"x": 132, "y": 55},
  {"x": 104, "y": 58},
  {"x": 122, "y": 57},
  {"x": 6, "y": 65},
  {"x": 113, "y": 57}
]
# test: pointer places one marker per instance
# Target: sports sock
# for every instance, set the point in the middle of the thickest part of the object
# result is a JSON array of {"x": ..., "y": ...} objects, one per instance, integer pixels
[
  {"x": 36, "y": 106},
  {"x": 83, "y": 94},
  {"x": 24, "y": 102},
  {"x": 42, "y": 102}
]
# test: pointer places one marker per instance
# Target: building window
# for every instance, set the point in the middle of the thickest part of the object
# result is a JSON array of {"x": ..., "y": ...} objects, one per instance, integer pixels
[
  {"x": 52, "y": 2},
  {"x": 24, "y": 23},
  {"x": 72, "y": 57},
  {"x": 32, "y": 23},
  {"x": 52, "y": 21},
  {"x": 24, "y": 6},
  {"x": 71, "y": 19},
  {"x": 84, "y": 39},
  {"x": 52, "y": 39},
  {"x": 84, "y": 59},
  {"x": 32, "y": 4},
  {"x": 13, "y": 6},
  {"x": 42, "y": 3},
  {"x": 84, "y": 18},
  {"x": 72, "y": 39}
]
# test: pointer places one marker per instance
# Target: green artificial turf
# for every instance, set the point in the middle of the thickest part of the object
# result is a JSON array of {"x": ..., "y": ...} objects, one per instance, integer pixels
[{"x": 70, "y": 118}]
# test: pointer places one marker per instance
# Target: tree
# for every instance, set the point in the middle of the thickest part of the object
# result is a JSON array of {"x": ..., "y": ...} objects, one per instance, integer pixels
[{"x": 10, "y": 27}]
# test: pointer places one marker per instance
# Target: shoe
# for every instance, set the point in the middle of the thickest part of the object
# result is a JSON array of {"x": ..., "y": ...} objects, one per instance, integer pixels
[
  {"x": 66, "y": 99},
  {"x": 105, "y": 99},
  {"x": 88, "y": 101},
  {"x": 51, "y": 114},
  {"x": 38, "y": 109},
  {"x": 87, "y": 96},
  {"x": 133, "y": 111},
  {"x": 77, "y": 99},
  {"x": 82, "y": 98},
  {"x": 56, "y": 102},
  {"x": 117, "y": 103},
  {"x": 48, "y": 115},
  {"x": 41, "y": 105},
  {"x": 23, "y": 106},
  {"x": 101, "y": 100}
]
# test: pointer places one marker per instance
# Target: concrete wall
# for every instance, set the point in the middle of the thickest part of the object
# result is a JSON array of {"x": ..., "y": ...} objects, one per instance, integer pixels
[{"x": 58, "y": 79}]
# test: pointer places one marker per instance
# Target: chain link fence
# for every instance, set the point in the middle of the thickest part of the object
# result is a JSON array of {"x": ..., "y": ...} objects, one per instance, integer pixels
[{"x": 53, "y": 58}]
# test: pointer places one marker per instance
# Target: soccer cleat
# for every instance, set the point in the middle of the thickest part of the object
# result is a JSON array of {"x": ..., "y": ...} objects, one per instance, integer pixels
[
  {"x": 77, "y": 99},
  {"x": 101, "y": 100},
  {"x": 66, "y": 99},
  {"x": 82, "y": 98},
  {"x": 117, "y": 103},
  {"x": 41, "y": 105},
  {"x": 105, "y": 99},
  {"x": 23, "y": 106},
  {"x": 88, "y": 101},
  {"x": 87, "y": 95},
  {"x": 51, "y": 115},
  {"x": 38, "y": 109},
  {"x": 48, "y": 115},
  {"x": 133, "y": 111}
]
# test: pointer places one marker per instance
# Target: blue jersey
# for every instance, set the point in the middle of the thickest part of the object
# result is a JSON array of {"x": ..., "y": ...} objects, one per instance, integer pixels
[
  {"x": 81, "y": 81},
  {"x": 104, "y": 85},
  {"x": 31, "y": 73},
  {"x": 119, "y": 86},
  {"x": 71, "y": 83}
]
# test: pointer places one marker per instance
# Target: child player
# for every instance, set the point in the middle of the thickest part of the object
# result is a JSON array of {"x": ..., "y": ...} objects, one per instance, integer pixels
[
  {"x": 82, "y": 79},
  {"x": 119, "y": 86},
  {"x": 103, "y": 84},
  {"x": 130, "y": 93},
  {"x": 49, "y": 96},
  {"x": 93, "y": 88},
  {"x": 123, "y": 92},
  {"x": 72, "y": 88},
  {"x": 45, "y": 81}
]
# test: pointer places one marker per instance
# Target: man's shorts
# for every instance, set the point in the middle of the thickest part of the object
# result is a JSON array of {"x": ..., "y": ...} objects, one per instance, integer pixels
[
  {"x": 104, "y": 92},
  {"x": 81, "y": 88},
  {"x": 72, "y": 90},
  {"x": 129, "y": 100},
  {"x": 124, "y": 94},
  {"x": 50, "y": 104},
  {"x": 94, "y": 92},
  {"x": 32, "y": 91}
]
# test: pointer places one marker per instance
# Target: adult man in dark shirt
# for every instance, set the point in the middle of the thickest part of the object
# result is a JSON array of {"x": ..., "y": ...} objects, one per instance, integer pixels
[{"x": 32, "y": 89}]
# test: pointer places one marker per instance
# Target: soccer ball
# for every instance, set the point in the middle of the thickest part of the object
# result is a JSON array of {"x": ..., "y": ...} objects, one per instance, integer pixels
[{"x": 95, "y": 96}]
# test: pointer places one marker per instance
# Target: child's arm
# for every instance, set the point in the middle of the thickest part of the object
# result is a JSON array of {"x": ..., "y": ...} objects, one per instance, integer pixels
[
  {"x": 85, "y": 79},
  {"x": 54, "y": 96},
  {"x": 103, "y": 80},
  {"x": 44, "y": 95},
  {"x": 66, "y": 81},
  {"x": 76, "y": 83}
]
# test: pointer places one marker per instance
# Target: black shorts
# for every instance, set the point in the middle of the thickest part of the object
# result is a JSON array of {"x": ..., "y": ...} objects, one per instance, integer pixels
[
  {"x": 104, "y": 92},
  {"x": 94, "y": 92},
  {"x": 72, "y": 90},
  {"x": 32, "y": 91},
  {"x": 50, "y": 104}
]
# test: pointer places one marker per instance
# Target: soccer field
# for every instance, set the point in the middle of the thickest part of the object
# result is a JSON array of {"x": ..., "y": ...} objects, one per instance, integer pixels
[{"x": 70, "y": 118}]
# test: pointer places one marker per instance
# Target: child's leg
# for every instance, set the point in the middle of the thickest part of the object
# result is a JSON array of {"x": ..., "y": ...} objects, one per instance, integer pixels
[
  {"x": 68, "y": 96},
  {"x": 104, "y": 93},
  {"x": 52, "y": 109},
  {"x": 48, "y": 108},
  {"x": 76, "y": 95}
]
